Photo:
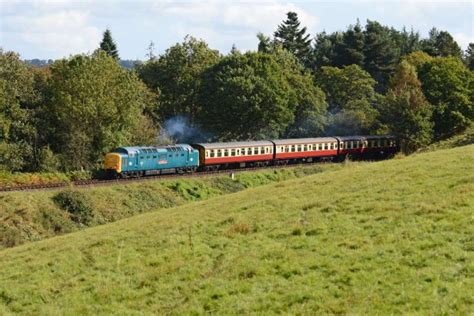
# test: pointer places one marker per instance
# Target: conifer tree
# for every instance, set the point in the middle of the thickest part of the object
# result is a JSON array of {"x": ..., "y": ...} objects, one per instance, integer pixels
[
  {"x": 351, "y": 49},
  {"x": 381, "y": 53},
  {"x": 469, "y": 57},
  {"x": 108, "y": 45},
  {"x": 293, "y": 38}
]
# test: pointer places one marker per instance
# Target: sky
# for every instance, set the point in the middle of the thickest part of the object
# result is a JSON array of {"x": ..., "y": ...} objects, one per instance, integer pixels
[{"x": 52, "y": 29}]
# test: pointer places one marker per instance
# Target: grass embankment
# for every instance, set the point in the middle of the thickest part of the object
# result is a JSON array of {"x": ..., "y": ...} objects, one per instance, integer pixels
[
  {"x": 28, "y": 216},
  {"x": 381, "y": 238},
  {"x": 11, "y": 179}
]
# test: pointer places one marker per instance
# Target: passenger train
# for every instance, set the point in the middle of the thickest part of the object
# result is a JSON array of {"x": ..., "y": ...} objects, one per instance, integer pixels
[{"x": 126, "y": 162}]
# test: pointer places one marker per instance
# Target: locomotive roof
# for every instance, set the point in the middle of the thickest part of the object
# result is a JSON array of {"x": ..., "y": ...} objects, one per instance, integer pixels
[
  {"x": 235, "y": 144},
  {"x": 304, "y": 140},
  {"x": 151, "y": 149}
]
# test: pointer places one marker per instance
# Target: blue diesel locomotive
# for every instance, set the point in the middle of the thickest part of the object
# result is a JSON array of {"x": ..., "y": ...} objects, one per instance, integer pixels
[{"x": 139, "y": 161}]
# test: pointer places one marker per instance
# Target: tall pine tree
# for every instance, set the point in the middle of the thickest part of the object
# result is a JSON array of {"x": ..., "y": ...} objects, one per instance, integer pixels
[
  {"x": 441, "y": 43},
  {"x": 351, "y": 49},
  {"x": 381, "y": 53},
  {"x": 108, "y": 45},
  {"x": 293, "y": 38},
  {"x": 469, "y": 56}
]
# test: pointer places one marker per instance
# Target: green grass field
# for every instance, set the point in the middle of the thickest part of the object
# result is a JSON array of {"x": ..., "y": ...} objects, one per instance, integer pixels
[
  {"x": 376, "y": 238},
  {"x": 32, "y": 216}
]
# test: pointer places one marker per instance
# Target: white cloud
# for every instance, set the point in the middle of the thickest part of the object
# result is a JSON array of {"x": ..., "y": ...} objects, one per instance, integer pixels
[
  {"x": 463, "y": 39},
  {"x": 222, "y": 24},
  {"x": 57, "y": 33},
  {"x": 264, "y": 15}
]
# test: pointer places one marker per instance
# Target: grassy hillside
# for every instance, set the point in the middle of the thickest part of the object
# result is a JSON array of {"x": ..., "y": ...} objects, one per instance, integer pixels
[
  {"x": 387, "y": 237},
  {"x": 29, "y": 216}
]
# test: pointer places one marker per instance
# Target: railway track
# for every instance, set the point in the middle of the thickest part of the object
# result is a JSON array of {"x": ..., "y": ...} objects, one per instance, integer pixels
[{"x": 98, "y": 182}]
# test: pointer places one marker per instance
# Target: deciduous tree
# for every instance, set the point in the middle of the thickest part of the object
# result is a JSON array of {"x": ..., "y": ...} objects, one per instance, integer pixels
[
  {"x": 95, "y": 105},
  {"x": 351, "y": 96},
  {"x": 246, "y": 97},
  {"x": 448, "y": 86},
  {"x": 406, "y": 110},
  {"x": 176, "y": 76}
]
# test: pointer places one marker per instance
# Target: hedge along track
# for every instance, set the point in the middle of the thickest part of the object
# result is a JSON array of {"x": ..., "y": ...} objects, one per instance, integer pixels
[{"x": 97, "y": 182}]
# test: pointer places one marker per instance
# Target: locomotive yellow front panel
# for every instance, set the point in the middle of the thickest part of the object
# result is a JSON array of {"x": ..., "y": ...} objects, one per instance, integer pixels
[{"x": 113, "y": 161}]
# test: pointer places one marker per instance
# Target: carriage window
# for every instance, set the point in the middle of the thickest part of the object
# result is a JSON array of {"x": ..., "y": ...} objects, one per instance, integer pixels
[
  {"x": 262, "y": 151},
  {"x": 255, "y": 151},
  {"x": 226, "y": 153},
  {"x": 207, "y": 153},
  {"x": 219, "y": 153},
  {"x": 238, "y": 152},
  {"x": 266, "y": 150},
  {"x": 154, "y": 157},
  {"x": 232, "y": 152},
  {"x": 293, "y": 148},
  {"x": 249, "y": 151},
  {"x": 212, "y": 154},
  {"x": 271, "y": 150}
]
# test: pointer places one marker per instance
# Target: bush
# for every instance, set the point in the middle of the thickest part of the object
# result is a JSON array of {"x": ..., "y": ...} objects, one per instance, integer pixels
[{"x": 76, "y": 203}]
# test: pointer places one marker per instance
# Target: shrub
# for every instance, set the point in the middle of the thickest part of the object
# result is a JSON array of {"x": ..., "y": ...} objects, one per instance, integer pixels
[{"x": 76, "y": 203}]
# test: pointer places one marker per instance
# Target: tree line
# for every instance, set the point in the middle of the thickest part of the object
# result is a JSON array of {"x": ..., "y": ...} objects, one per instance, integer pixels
[{"x": 364, "y": 80}]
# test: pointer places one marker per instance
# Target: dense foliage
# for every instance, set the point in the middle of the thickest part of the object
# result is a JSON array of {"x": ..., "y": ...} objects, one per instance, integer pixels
[{"x": 367, "y": 79}]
